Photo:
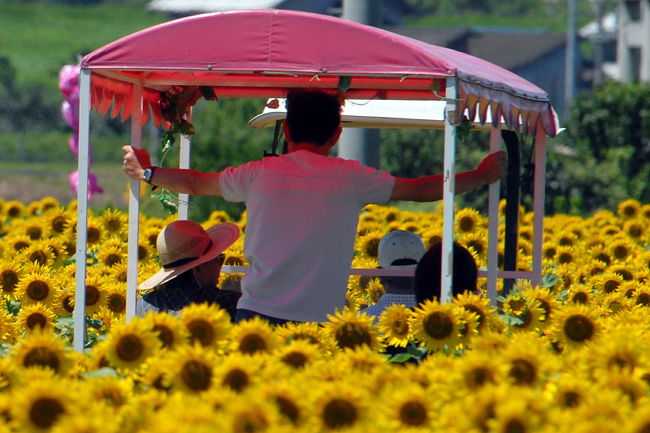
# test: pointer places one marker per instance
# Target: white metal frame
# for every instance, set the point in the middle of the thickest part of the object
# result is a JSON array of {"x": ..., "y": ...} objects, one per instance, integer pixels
[{"x": 448, "y": 210}]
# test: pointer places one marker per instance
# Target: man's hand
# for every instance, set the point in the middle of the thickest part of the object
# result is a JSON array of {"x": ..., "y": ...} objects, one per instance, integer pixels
[
  {"x": 493, "y": 167},
  {"x": 135, "y": 161}
]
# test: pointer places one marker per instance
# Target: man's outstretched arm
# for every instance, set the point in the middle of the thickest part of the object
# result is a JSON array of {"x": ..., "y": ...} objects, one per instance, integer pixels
[
  {"x": 429, "y": 188},
  {"x": 179, "y": 180}
]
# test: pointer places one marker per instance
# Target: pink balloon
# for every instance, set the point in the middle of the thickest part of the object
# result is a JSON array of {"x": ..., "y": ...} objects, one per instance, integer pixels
[
  {"x": 73, "y": 143},
  {"x": 69, "y": 79},
  {"x": 93, "y": 186},
  {"x": 70, "y": 113}
]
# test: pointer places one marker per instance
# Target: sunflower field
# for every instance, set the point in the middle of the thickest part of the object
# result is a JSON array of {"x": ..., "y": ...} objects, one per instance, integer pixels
[{"x": 572, "y": 354}]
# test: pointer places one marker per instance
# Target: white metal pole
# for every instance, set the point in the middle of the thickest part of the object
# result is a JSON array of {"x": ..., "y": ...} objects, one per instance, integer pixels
[
  {"x": 538, "y": 204},
  {"x": 493, "y": 224},
  {"x": 134, "y": 209},
  {"x": 185, "y": 155},
  {"x": 79, "y": 314},
  {"x": 449, "y": 186}
]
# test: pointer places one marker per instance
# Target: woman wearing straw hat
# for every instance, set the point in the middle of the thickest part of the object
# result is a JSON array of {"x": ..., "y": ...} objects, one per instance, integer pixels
[{"x": 191, "y": 259}]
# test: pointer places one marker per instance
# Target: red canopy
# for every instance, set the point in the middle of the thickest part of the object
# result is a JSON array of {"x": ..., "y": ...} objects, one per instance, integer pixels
[{"x": 262, "y": 53}]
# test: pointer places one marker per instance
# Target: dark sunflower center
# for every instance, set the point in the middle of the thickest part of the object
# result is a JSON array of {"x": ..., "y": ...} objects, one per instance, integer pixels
[
  {"x": 399, "y": 327},
  {"x": 92, "y": 295},
  {"x": 643, "y": 299},
  {"x": 571, "y": 398},
  {"x": 165, "y": 335},
  {"x": 578, "y": 328},
  {"x": 202, "y": 331},
  {"x": 621, "y": 252},
  {"x": 9, "y": 280},
  {"x": 36, "y": 319},
  {"x": 38, "y": 290},
  {"x": 116, "y": 303},
  {"x": 288, "y": 408},
  {"x": 236, "y": 379},
  {"x": 59, "y": 223},
  {"x": 339, "y": 413},
  {"x": 42, "y": 357},
  {"x": 466, "y": 224},
  {"x": 45, "y": 411},
  {"x": 372, "y": 247},
  {"x": 130, "y": 348},
  {"x": 67, "y": 304},
  {"x": 34, "y": 233},
  {"x": 113, "y": 225},
  {"x": 295, "y": 359},
  {"x": 438, "y": 325},
  {"x": 479, "y": 376},
  {"x": 522, "y": 372},
  {"x": 514, "y": 426},
  {"x": 93, "y": 234},
  {"x": 20, "y": 245},
  {"x": 112, "y": 259},
  {"x": 610, "y": 286},
  {"x": 350, "y": 335},
  {"x": 196, "y": 375},
  {"x": 252, "y": 343},
  {"x": 143, "y": 252},
  {"x": 39, "y": 257},
  {"x": 413, "y": 413},
  {"x": 580, "y": 298}
]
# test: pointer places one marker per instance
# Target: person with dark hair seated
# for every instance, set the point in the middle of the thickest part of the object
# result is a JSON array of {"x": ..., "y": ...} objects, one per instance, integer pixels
[
  {"x": 191, "y": 260},
  {"x": 428, "y": 273}
]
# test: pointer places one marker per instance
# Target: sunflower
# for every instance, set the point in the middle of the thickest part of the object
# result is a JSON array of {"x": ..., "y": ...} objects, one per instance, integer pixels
[
  {"x": 642, "y": 296},
  {"x": 41, "y": 348},
  {"x": 467, "y": 220},
  {"x": 575, "y": 325},
  {"x": 114, "y": 222},
  {"x": 565, "y": 255},
  {"x": 431, "y": 237},
  {"x": 10, "y": 274},
  {"x": 339, "y": 407},
  {"x": 479, "y": 305},
  {"x": 35, "y": 287},
  {"x": 58, "y": 221},
  {"x": 514, "y": 416},
  {"x": 95, "y": 293},
  {"x": 34, "y": 228},
  {"x": 394, "y": 325},
  {"x": 128, "y": 345},
  {"x": 628, "y": 209},
  {"x": 7, "y": 328},
  {"x": 625, "y": 270},
  {"x": 477, "y": 241},
  {"x": 349, "y": 330},
  {"x": 40, "y": 405},
  {"x": 14, "y": 209},
  {"x": 310, "y": 332},
  {"x": 111, "y": 253},
  {"x": 115, "y": 298},
  {"x": 620, "y": 352},
  {"x": 409, "y": 408},
  {"x": 191, "y": 368},
  {"x": 253, "y": 336},
  {"x": 580, "y": 294},
  {"x": 150, "y": 235},
  {"x": 288, "y": 401},
  {"x": 35, "y": 316},
  {"x": 63, "y": 302},
  {"x": 38, "y": 252},
  {"x": 206, "y": 324},
  {"x": 368, "y": 245},
  {"x": 237, "y": 372},
  {"x": 17, "y": 242},
  {"x": 84, "y": 421},
  {"x": 298, "y": 353},
  {"x": 112, "y": 392},
  {"x": 436, "y": 325},
  {"x": 171, "y": 332},
  {"x": 635, "y": 229},
  {"x": 600, "y": 253},
  {"x": 480, "y": 369},
  {"x": 48, "y": 204},
  {"x": 253, "y": 415}
]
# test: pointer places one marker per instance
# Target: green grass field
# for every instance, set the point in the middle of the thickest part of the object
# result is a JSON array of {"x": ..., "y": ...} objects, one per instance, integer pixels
[{"x": 40, "y": 38}]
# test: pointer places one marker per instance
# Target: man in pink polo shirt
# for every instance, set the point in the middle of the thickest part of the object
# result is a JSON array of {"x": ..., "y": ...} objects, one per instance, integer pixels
[{"x": 303, "y": 208}]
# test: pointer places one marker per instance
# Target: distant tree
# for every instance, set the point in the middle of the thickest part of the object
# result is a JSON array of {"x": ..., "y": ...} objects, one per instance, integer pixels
[{"x": 604, "y": 156}]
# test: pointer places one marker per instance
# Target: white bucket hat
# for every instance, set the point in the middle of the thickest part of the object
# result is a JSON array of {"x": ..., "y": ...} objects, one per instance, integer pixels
[
  {"x": 400, "y": 249},
  {"x": 183, "y": 245}
]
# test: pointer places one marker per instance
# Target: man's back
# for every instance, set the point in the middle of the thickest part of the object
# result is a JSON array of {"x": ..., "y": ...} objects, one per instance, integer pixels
[{"x": 302, "y": 213}]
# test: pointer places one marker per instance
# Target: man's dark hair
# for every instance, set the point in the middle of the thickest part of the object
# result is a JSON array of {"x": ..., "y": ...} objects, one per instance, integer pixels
[
  {"x": 312, "y": 115},
  {"x": 428, "y": 273}
]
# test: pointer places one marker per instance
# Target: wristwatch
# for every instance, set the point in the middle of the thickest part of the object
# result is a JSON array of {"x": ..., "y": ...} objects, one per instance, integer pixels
[{"x": 148, "y": 173}]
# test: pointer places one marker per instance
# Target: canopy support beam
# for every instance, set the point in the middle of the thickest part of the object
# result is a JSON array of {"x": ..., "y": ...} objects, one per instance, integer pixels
[
  {"x": 539, "y": 196},
  {"x": 79, "y": 313},
  {"x": 134, "y": 209},
  {"x": 185, "y": 154},
  {"x": 449, "y": 188},
  {"x": 493, "y": 225}
]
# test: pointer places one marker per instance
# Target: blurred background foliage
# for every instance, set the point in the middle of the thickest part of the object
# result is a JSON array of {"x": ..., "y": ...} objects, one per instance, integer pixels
[{"x": 599, "y": 161}]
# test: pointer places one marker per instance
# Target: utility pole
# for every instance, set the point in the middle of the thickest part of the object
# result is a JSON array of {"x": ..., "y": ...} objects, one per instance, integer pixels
[
  {"x": 570, "y": 67},
  {"x": 358, "y": 143},
  {"x": 598, "y": 43}
]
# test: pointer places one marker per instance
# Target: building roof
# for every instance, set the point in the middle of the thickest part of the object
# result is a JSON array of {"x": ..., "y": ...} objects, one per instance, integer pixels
[
  {"x": 507, "y": 48},
  {"x": 194, "y": 6}
]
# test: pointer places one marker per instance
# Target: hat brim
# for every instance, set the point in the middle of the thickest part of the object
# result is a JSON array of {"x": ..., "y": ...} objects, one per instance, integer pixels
[{"x": 222, "y": 235}]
